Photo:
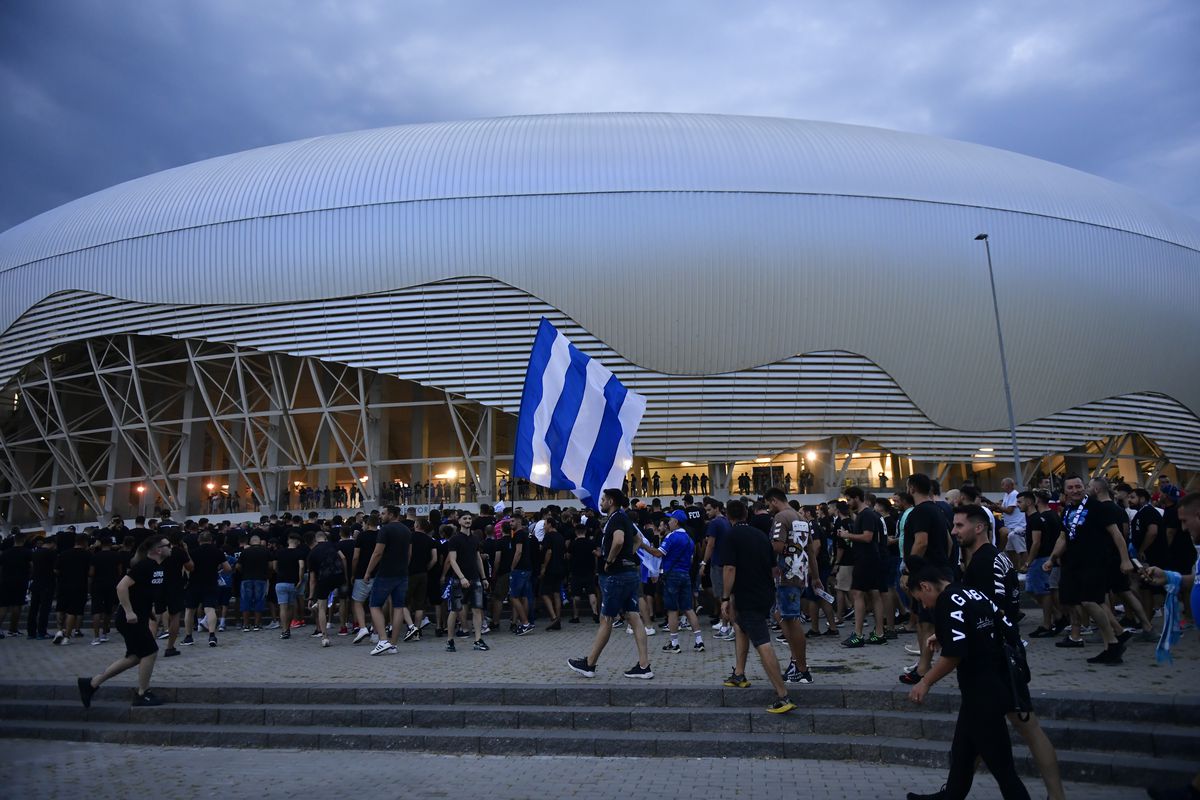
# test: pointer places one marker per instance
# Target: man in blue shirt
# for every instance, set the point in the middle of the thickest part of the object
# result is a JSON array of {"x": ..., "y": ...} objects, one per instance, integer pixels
[
  {"x": 718, "y": 527},
  {"x": 676, "y": 552}
]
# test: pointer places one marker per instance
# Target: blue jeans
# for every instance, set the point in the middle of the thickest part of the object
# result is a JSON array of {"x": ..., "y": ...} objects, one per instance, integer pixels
[
  {"x": 254, "y": 596},
  {"x": 677, "y": 591},
  {"x": 519, "y": 583},
  {"x": 788, "y": 600},
  {"x": 620, "y": 594},
  {"x": 383, "y": 588}
]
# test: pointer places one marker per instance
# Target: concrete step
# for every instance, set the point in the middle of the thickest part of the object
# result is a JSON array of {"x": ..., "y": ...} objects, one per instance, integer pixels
[
  {"x": 1150, "y": 739},
  {"x": 1118, "y": 769},
  {"x": 1066, "y": 706}
]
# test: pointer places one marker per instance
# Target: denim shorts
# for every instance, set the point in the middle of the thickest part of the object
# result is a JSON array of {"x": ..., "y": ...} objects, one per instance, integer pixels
[
  {"x": 677, "y": 591},
  {"x": 621, "y": 592},
  {"x": 382, "y": 588},
  {"x": 519, "y": 583},
  {"x": 1038, "y": 582},
  {"x": 361, "y": 592},
  {"x": 788, "y": 599},
  {"x": 894, "y": 564},
  {"x": 285, "y": 593},
  {"x": 461, "y": 598},
  {"x": 254, "y": 596}
]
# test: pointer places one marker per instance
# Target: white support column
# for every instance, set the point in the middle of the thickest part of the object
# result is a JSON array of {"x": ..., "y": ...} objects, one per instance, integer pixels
[{"x": 191, "y": 455}]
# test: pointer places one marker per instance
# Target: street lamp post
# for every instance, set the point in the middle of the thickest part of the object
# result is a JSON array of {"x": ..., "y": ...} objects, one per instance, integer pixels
[{"x": 1012, "y": 422}]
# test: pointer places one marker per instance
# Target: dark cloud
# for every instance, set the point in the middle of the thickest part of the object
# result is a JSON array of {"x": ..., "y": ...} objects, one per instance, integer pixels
[{"x": 100, "y": 92}]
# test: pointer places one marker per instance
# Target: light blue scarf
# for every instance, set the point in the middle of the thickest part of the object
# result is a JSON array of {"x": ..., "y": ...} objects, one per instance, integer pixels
[{"x": 1170, "y": 632}]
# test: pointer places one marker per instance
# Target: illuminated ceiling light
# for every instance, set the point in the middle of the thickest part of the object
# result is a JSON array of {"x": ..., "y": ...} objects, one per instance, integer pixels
[
  {"x": 365, "y": 478},
  {"x": 452, "y": 473},
  {"x": 686, "y": 464},
  {"x": 987, "y": 449},
  {"x": 211, "y": 486},
  {"x": 762, "y": 461},
  {"x": 856, "y": 455},
  {"x": 141, "y": 489},
  {"x": 224, "y": 485},
  {"x": 811, "y": 455}
]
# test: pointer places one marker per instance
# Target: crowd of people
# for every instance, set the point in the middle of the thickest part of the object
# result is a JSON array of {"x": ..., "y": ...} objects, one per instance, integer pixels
[{"x": 863, "y": 569}]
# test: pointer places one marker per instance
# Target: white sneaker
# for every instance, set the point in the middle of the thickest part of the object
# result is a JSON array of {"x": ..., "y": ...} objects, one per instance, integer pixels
[
  {"x": 66, "y": 641},
  {"x": 103, "y": 638},
  {"x": 274, "y": 624},
  {"x": 59, "y": 638},
  {"x": 425, "y": 622},
  {"x": 374, "y": 638},
  {"x": 629, "y": 630},
  {"x": 95, "y": 642},
  {"x": 651, "y": 631},
  {"x": 363, "y": 633},
  {"x": 718, "y": 625},
  {"x": 383, "y": 647},
  {"x": 325, "y": 641},
  {"x": 164, "y": 635},
  {"x": 202, "y": 623}
]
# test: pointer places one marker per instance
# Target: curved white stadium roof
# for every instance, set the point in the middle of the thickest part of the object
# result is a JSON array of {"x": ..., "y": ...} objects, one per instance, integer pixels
[{"x": 688, "y": 244}]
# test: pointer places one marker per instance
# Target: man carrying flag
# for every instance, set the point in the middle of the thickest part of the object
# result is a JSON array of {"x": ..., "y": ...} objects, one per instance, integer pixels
[{"x": 575, "y": 432}]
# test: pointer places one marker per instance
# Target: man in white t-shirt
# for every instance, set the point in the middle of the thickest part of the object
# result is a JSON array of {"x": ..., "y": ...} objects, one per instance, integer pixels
[{"x": 1014, "y": 521}]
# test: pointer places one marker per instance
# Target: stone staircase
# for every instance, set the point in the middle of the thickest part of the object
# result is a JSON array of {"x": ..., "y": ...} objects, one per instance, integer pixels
[{"x": 1122, "y": 740}]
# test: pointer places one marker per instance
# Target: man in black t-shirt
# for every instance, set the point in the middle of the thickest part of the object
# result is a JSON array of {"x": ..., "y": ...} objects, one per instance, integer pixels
[
  {"x": 388, "y": 572},
  {"x": 74, "y": 564},
  {"x": 208, "y": 562},
  {"x": 971, "y": 636},
  {"x": 990, "y": 572},
  {"x": 553, "y": 572},
  {"x": 467, "y": 583},
  {"x": 620, "y": 585},
  {"x": 927, "y": 536},
  {"x": 422, "y": 559},
  {"x": 15, "y": 563},
  {"x": 1085, "y": 550},
  {"x": 360, "y": 590},
  {"x": 868, "y": 541},
  {"x": 254, "y": 566},
  {"x": 748, "y": 561},
  {"x": 327, "y": 570},
  {"x": 521, "y": 576},
  {"x": 42, "y": 588},
  {"x": 289, "y": 566},
  {"x": 581, "y": 568},
  {"x": 107, "y": 568},
  {"x": 1043, "y": 528}
]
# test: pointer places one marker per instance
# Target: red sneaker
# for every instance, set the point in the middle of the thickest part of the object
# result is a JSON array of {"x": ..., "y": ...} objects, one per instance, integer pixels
[
  {"x": 296, "y": 624},
  {"x": 343, "y": 631}
]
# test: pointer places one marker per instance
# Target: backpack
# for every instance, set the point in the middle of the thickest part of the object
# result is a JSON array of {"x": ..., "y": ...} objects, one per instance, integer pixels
[{"x": 330, "y": 570}]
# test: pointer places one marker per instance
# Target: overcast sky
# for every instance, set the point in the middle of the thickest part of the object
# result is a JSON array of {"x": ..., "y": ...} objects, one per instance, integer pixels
[{"x": 95, "y": 92}]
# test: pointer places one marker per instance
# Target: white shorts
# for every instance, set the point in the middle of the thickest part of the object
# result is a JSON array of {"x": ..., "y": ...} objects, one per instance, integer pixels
[{"x": 1016, "y": 543}]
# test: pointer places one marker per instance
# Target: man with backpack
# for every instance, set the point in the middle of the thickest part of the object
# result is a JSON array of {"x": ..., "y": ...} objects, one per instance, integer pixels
[{"x": 327, "y": 573}]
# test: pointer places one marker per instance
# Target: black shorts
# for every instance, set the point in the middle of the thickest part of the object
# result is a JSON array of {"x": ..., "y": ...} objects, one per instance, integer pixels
[
  {"x": 139, "y": 641},
  {"x": 753, "y": 622},
  {"x": 552, "y": 583},
  {"x": 104, "y": 599},
  {"x": 12, "y": 594},
  {"x": 868, "y": 576},
  {"x": 1078, "y": 586},
  {"x": 1118, "y": 581},
  {"x": 582, "y": 585},
  {"x": 203, "y": 597},
  {"x": 172, "y": 601},
  {"x": 72, "y": 603}
]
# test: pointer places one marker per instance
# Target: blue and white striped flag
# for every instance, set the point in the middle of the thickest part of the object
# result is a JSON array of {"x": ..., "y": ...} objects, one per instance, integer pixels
[{"x": 577, "y": 421}]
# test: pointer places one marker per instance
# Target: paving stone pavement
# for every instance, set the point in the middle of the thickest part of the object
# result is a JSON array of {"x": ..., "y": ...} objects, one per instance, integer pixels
[
  {"x": 249, "y": 658},
  {"x": 38, "y": 769}
]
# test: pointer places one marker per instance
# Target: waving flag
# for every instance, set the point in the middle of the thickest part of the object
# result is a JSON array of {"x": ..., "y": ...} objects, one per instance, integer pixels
[{"x": 577, "y": 421}]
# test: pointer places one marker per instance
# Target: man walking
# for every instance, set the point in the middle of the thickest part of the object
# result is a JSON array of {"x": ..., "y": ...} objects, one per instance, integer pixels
[
  {"x": 796, "y": 549},
  {"x": 868, "y": 583},
  {"x": 465, "y": 571},
  {"x": 619, "y": 587},
  {"x": 926, "y": 535},
  {"x": 677, "y": 550},
  {"x": 388, "y": 573},
  {"x": 748, "y": 560}
]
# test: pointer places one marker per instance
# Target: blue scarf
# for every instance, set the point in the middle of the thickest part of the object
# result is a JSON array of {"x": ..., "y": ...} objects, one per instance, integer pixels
[{"x": 1170, "y": 632}]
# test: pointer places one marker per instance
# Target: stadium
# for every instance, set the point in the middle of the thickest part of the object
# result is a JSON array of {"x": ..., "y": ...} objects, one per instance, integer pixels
[{"x": 794, "y": 299}]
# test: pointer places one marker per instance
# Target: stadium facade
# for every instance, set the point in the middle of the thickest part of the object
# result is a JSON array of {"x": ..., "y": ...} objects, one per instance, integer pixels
[{"x": 793, "y": 297}]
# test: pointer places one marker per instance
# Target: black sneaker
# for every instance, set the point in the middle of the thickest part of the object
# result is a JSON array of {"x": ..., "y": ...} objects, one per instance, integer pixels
[
  {"x": 671, "y": 647},
  {"x": 145, "y": 700},
  {"x": 791, "y": 670},
  {"x": 596, "y": 618},
  {"x": 460, "y": 633},
  {"x": 212, "y": 640},
  {"x": 412, "y": 631},
  {"x": 1069, "y": 642},
  {"x": 582, "y": 666},
  {"x": 781, "y": 706},
  {"x": 1062, "y": 625},
  {"x": 188, "y": 640},
  {"x": 314, "y": 634},
  {"x": 573, "y": 620},
  {"x": 555, "y": 626},
  {"x": 450, "y": 648},
  {"x": 170, "y": 651},
  {"x": 86, "y": 691},
  {"x": 285, "y": 635},
  {"x": 698, "y": 647},
  {"x": 911, "y": 678},
  {"x": 480, "y": 644},
  {"x": 638, "y": 671},
  {"x": 1041, "y": 632},
  {"x": 1124, "y": 637},
  {"x": 938, "y": 795},
  {"x": 800, "y": 677},
  {"x": 257, "y": 628},
  {"x": 1109, "y": 657}
]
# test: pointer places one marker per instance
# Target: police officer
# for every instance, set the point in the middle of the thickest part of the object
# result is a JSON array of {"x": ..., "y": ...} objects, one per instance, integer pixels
[{"x": 969, "y": 630}]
